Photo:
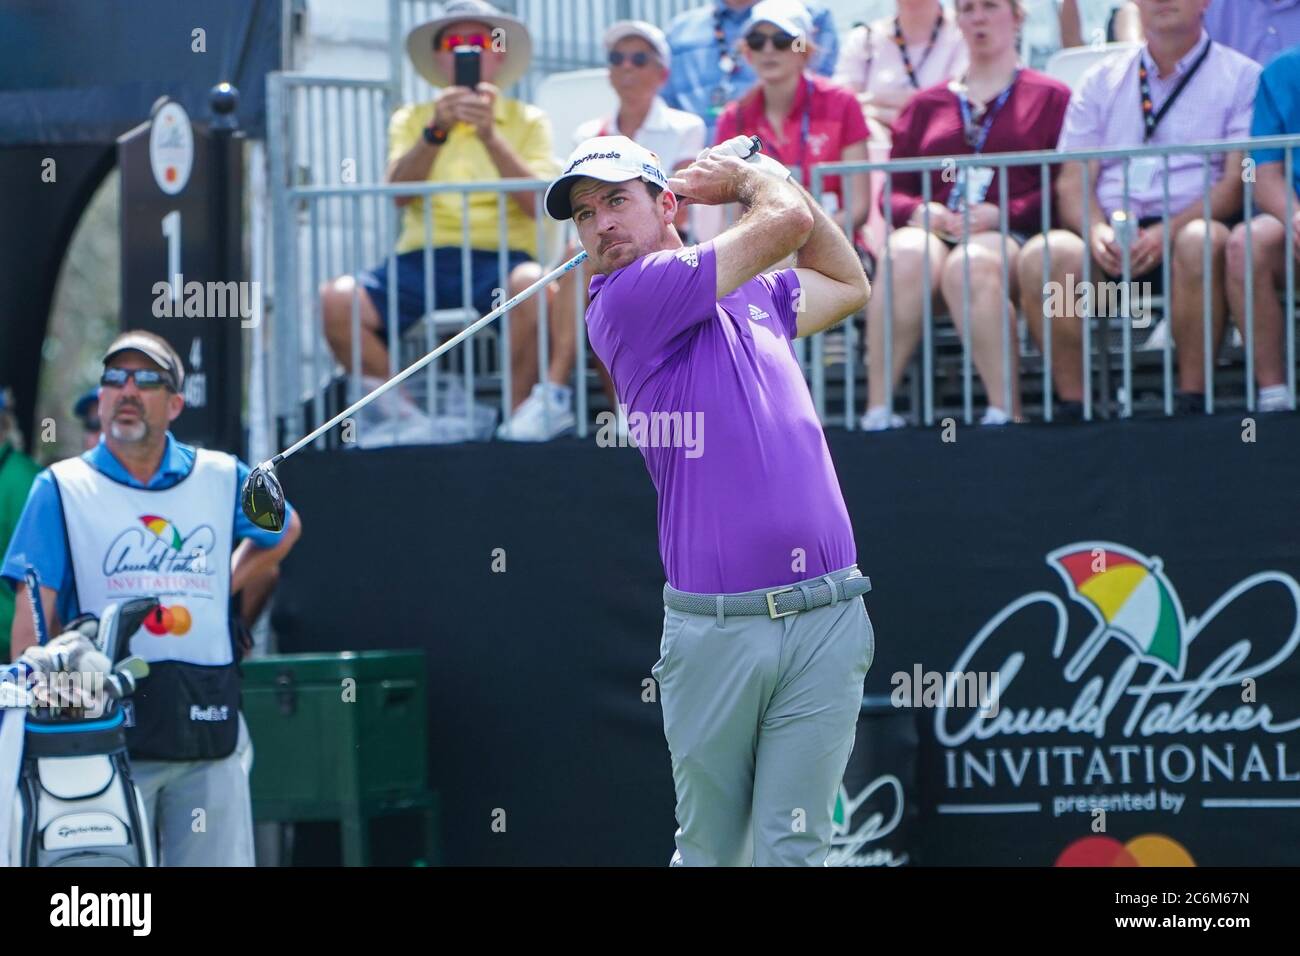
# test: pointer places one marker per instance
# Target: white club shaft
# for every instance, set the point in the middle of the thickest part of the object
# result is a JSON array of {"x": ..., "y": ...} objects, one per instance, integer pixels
[{"x": 447, "y": 346}]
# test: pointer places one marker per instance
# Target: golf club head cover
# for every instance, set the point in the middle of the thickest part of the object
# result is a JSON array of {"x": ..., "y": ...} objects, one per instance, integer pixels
[{"x": 743, "y": 148}]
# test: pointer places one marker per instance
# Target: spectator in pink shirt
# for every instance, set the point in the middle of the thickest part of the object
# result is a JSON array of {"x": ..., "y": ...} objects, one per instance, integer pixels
[
  {"x": 889, "y": 61},
  {"x": 803, "y": 119},
  {"x": 1179, "y": 88},
  {"x": 997, "y": 107}
]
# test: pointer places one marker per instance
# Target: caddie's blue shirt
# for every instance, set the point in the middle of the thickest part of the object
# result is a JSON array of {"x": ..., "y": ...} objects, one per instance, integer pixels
[
  {"x": 696, "y": 72},
  {"x": 41, "y": 541}
]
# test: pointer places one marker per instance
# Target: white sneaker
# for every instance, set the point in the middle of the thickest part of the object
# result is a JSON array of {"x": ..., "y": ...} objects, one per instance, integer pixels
[
  {"x": 527, "y": 424},
  {"x": 1274, "y": 398},
  {"x": 878, "y": 419},
  {"x": 995, "y": 416},
  {"x": 1160, "y": 337}
]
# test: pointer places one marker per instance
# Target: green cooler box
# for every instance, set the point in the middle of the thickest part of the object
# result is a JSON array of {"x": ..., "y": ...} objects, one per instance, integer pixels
[{"x": 342, "y": 737}]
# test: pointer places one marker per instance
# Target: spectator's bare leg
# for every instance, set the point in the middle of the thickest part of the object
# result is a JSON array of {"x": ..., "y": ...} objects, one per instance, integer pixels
[
  {"x": 1188, "y": 324},
  {"x": 523, "y": 332},
  {"x": 336, "y": 311},
  {"x": 987, "y": 300},
  {"x": 907, "y": 252},
  {"x": 560, "y": 321},
  {"x": 1268, "y": 238},
  {"x": 1067, "y": 329}
]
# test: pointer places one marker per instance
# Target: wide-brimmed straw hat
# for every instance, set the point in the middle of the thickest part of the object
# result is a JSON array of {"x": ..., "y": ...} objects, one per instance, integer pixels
[{"x": 518, "y": 44}]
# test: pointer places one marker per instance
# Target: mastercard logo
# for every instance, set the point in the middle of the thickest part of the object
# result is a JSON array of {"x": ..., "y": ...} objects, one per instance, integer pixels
[
  {"x": 1151, "y": 849},
  {"x": 173, "y": 620}
]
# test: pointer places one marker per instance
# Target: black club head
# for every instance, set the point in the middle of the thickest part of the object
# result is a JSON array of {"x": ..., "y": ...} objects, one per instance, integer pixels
[{"x": 263, "y": 499}]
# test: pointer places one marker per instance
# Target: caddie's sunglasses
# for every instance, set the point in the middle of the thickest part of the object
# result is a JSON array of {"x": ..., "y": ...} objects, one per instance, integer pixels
[
  {"x": 145, "y": 378},
  {"x": 450, "y": 41},
  {"x": 757, "y": 40},
  {"x": 638, "y": 59}
]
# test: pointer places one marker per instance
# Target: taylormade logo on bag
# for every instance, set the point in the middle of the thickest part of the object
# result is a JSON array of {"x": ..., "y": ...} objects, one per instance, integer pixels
[
  {"x": 102, "y": 909},
  {"x": 84, "y": 829}
]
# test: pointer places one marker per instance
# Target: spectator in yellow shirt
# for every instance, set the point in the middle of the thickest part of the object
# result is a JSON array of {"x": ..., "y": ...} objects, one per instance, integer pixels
[{"x": 465, "y": 135}]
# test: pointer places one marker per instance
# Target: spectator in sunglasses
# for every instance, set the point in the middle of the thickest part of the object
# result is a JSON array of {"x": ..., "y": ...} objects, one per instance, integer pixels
[
  {"x": 143, "y": 513},
  {"x": 639, "y": 63},
  {"x": 465, "y": 135},
  {"x": 708, "y": 68},
  {"x": 803, "y": 119}
]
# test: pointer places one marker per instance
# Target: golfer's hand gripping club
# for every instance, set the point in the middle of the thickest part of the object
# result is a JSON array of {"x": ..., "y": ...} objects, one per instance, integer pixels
[
  {"x": 712, "y": 180},
  {"x": 262, "y": 497}
]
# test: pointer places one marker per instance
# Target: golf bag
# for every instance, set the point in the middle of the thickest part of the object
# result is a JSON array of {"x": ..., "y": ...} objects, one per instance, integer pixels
[{"x": 76, "y": 803}]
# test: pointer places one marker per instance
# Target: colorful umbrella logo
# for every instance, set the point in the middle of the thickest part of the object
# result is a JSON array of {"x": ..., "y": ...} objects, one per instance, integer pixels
[
  {"x": 163, "y": 529},
  {"x": 1131, "y": 598}
]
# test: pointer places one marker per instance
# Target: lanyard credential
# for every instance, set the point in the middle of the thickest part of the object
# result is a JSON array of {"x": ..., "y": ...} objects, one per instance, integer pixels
[
  {"x": 977, "y": 141},
  {"x": 1150, "y": 118},
  {"x": 726, "y": 65},
  {"x": 902, "y": 49}
]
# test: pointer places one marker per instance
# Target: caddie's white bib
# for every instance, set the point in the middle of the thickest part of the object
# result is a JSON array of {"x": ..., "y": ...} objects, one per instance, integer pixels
[{"x": 174, "y": 544}]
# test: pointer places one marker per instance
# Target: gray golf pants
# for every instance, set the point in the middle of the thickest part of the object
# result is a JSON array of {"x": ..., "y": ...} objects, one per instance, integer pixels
[
  {"x": 222, "y": 835},
  {"x": 760, "y": 717}
]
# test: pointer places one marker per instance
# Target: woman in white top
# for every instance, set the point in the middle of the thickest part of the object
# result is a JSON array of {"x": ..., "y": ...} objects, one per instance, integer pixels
[{"x": 888, "y": 61}]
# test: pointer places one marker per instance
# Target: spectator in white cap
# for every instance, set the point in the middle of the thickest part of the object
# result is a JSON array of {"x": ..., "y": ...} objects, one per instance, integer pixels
[
  {"x": 802, "y": 118},
  {"x": 639, "y": 63},
  {"x": 708, "y": 69}
]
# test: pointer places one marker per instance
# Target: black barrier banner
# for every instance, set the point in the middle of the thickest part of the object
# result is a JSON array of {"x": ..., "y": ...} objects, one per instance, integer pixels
[
  {"x": 876, "y": 808},
  {"x": 1121, "y": 598},
  {"x": 1119, "y": 720}
]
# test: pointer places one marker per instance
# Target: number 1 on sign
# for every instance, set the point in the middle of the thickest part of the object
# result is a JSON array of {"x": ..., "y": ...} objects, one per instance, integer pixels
[{"x": 171, "y": 228}]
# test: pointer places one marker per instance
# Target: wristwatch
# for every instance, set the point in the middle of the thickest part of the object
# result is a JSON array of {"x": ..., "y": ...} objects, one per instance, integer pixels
[{"x": 434, "y": 135}]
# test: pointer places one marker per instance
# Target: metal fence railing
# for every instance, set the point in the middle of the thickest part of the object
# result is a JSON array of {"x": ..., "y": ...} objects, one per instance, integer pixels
[
  {"x": 321, "y": 131},
  {"x": 1101, "y": 351},
  {"x": 323, "y": 228},
  {"x": 308, "y": 370}
]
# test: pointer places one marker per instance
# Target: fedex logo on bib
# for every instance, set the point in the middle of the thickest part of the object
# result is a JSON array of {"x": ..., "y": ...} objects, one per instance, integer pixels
[{"x": 154, "y": 555}]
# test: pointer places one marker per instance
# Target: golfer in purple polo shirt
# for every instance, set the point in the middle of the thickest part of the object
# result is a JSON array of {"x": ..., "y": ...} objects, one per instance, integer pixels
[{"x": 766, "y": 639}]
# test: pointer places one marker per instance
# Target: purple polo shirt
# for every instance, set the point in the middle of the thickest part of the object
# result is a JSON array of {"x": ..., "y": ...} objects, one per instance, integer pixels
[
  {"x": 1261, "y": 29},
  {"x": 754, "y": 490},
  {"x": 1106, "y": 112}
]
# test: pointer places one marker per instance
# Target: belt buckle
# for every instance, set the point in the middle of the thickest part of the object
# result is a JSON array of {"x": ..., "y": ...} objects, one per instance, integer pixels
[{"x": 772, "y": 612}]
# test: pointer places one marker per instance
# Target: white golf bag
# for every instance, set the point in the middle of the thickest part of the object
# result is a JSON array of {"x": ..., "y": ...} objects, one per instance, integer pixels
[{"x": 75, "y": 803}]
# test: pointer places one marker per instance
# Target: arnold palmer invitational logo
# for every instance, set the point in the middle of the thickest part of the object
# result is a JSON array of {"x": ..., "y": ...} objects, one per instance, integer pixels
[
  {"x": 1152, "y": 710},
  {"x": 153, "y": 555}
]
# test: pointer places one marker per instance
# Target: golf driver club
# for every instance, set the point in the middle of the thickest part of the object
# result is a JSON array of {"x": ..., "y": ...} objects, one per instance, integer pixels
[{"x": 263, "y": 498}]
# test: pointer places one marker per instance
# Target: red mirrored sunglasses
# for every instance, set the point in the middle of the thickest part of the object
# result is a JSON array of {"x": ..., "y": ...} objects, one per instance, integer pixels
[{"x": 450, "y": 41}]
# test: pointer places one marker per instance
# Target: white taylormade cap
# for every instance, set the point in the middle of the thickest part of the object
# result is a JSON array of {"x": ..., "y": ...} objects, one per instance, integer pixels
[{"x": 612, "y": 159}]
